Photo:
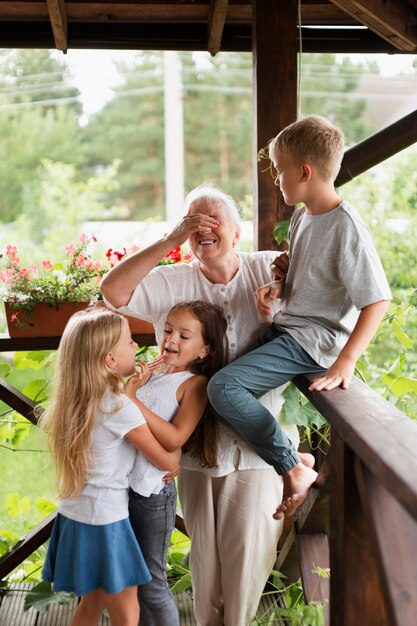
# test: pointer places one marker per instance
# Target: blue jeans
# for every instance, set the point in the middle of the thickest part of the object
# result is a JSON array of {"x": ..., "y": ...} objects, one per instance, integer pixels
[
  {"x": 153, "y": 519},
  {"x": 234, "y": 391}
]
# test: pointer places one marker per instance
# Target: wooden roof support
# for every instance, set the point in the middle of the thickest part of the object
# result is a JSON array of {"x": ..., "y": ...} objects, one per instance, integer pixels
[
  {"x": 378, "y": 147},
  {"x": 274, "y": 47},
  {"x": 393, "y": 20},
  {"x": 59, "y": 23},
  {"x": 216, "y": 20}
]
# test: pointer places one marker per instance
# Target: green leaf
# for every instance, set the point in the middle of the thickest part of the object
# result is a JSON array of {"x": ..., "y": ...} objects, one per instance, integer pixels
[
  {"x": 182, "y": 584},
  {"x": 21, "y": 431},
  {"x": 401, "y": 384},
  {"x": 402, "y": 337},
  {"x": 280, "y": 231},
  {"x": 42, "y": 596},
  {"x": 35, "y": 390},
  {"x": 5, "y": 370},
  {"x": 45, "y": 506}
]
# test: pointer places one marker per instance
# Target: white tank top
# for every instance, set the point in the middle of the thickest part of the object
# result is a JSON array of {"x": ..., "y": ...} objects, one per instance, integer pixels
[{"x": 160, "y": 396}]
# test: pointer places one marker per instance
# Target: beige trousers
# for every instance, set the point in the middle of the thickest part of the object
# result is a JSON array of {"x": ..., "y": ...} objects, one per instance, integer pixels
[{"x": 233, "y": 541}]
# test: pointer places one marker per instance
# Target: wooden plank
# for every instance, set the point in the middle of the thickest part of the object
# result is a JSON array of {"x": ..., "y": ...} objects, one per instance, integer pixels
[
  {"x": 274, "y": 47},
  {"x": 384, "y": 438},
  {"x": 355, "y": 590},
  {"x": 216, "y": 19},
  {"x": 313, "y": 551},
  {"x": 33, "y": 540},
  {"x": 58, "y": 17},
  {"x": 18, "y": 401},
  {"x": 317, "y": 12},
  {"x": 17, "y": 344},
  {"x": 11, "y": 608},
  {"x": 394, "y": 535},
  {"x": 393, "y": 20},
  {"x": 61, "y": 615}
]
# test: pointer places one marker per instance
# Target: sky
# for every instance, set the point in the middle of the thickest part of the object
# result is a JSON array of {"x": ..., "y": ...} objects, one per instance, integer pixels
[{"x": 95, "y": 73}]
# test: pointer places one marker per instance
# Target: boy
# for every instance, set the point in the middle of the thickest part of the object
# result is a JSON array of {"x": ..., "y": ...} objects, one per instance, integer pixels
[{"x": 334, "y": 298}]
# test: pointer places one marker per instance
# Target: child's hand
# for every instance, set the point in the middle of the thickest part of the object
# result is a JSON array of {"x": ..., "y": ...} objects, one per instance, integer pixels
[
  {"x": 141, "y": 377},
  {"x": 280, "y": 266},
  {"x": 267, "y": 294},
  {"x": 339, "y": 374},
  {"x": 168, "y": 478}
]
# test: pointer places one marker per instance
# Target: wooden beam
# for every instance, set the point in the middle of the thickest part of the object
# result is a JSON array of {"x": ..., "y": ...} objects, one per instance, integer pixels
[
  {"x": 379, "y": 434},
  {"x": 378, "y": 148},
  {"x": 396, "y": 567},
  {"x": 59, "y": 23},
  {"x": 217, "y": 17},
  {"x": 274, "y": 48},
  {"x": 393, "y": 20}
]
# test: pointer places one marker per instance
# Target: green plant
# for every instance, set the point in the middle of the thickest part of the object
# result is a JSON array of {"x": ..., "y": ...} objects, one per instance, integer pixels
[{"x": 75, "y": 280}]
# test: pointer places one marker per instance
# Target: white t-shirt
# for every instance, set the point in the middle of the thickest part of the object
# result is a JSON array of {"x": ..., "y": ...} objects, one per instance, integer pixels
[
  {"x": 104, "y": 499},
  {"x": 166, "y": 285}
]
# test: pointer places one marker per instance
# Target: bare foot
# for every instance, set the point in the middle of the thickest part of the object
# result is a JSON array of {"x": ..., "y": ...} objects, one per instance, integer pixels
[
  {"x": 307, "y": 459},
  {"x": 297, "y": 483}
]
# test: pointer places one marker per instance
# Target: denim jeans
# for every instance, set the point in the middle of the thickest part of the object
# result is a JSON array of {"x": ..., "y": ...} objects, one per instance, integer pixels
[
  {"x": 234, "y": 391},
  {"x": 153, "y": 520}
]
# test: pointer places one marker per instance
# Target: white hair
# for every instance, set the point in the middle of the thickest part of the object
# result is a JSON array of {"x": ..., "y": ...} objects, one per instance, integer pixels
[{"x": 214, "y": 197}]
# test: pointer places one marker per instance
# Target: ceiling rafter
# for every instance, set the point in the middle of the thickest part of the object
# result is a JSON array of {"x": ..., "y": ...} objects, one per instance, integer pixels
[
  {"x": 393, "y": 20},
  {"x": 216, "y": 20},
  {"x": 58, "y": 17}
]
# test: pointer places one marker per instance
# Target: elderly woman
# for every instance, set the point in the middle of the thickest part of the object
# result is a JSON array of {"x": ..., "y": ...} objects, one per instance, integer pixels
[{"x": 227, "y": 509}]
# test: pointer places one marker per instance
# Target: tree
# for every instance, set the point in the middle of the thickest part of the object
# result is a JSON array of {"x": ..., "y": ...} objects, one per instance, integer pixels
[{"x": 34, "y": 124}]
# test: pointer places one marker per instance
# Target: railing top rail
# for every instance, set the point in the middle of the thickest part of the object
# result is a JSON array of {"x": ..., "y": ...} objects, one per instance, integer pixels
[{"x": 382, "y": 436}]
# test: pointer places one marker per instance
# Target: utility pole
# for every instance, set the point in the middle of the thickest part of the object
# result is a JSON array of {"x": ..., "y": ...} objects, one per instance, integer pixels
[{"x": 174, "y": 137}]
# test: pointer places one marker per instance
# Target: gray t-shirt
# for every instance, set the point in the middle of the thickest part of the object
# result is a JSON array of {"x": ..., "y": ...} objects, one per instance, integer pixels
[{"x": 334, "y": 272}]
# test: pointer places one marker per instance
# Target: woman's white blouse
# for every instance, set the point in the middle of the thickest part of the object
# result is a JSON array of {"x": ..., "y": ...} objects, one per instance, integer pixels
[{"x": 166, "y": 285}]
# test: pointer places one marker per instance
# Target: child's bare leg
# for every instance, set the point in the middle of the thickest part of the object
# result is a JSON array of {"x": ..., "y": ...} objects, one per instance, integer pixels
[
  {"x": 123, "y": 607},
  {"x": 89, "y": 610},
  {"x": 297, "y": 483}
]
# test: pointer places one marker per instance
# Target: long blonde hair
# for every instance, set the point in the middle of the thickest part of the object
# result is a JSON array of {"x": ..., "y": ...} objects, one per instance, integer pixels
[{"x": 81, "y": 380}]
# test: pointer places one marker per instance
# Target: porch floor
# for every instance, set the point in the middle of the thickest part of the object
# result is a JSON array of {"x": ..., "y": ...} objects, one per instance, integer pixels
[{"x": 12, "y": 613}]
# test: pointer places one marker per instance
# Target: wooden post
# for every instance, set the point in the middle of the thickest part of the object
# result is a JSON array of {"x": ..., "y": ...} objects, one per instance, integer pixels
[
  {"x": 356, "y": 596},
  {"x": 274, "y": 48}
]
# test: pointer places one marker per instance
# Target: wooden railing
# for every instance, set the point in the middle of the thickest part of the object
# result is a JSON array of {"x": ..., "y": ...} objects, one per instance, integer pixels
[{"x": 361, "y": 520}]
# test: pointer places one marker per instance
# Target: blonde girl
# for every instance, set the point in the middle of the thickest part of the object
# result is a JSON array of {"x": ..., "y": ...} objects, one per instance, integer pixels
[{"x": 92, "y": 425}]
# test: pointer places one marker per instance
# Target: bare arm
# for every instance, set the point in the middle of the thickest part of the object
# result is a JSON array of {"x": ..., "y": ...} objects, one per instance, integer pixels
[
  {"x": 341, "y": 372},
  {"x": 192, "y": 398},
  {"x": 119, "y": 283},
  {"x": 146, "y": 442}
]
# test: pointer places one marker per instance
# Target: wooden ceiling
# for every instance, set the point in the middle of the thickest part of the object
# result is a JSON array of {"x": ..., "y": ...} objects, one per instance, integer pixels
[{"x": 326, "y": 26}]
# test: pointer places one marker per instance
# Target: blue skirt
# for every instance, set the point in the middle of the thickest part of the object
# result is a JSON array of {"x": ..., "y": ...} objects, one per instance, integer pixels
[{"x": 83, "y": 557}]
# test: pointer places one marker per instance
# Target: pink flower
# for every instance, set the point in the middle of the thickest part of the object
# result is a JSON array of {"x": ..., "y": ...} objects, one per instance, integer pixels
[
  {"x": 70, "y": 249},
  {"x": 34, "y": 270},
  {"x": 11, "y": 250},
  {"x": 47, "y": 265},
  {"x": 24, "y": 273},
  {"x": 80, "y": 260},
  {"x": 89, "y": 263},
  {"x": 132, "y": 249},
  {"x": 83, "y": 238}
]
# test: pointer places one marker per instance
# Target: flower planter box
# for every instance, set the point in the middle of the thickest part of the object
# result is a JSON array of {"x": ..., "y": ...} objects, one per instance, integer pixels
[{"x": 48, "y": 321}]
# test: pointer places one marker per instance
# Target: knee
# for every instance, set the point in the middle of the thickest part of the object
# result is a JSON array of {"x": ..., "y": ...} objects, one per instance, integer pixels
[{"x": 216, "y": 388}]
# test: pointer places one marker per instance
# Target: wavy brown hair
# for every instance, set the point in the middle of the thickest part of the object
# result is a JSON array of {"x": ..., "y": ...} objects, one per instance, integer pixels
[
  {"x": 202, "y": 445},
  {"x": 80, "y": 382}
]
